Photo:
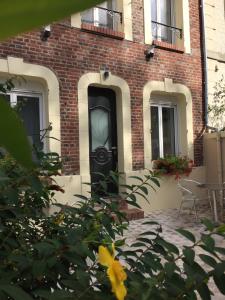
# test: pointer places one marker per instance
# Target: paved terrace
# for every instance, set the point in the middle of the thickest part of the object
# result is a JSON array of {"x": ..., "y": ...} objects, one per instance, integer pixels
[{"x": 170, "y": 221}]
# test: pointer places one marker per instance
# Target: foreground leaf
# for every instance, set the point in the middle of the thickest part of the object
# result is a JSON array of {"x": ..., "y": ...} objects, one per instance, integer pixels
[
  {"x": 15, "y": 293},
  {"x": 18, "y": 16},
  {"x": 13, "y": 136},
  {"x": 187, "y": 234}
]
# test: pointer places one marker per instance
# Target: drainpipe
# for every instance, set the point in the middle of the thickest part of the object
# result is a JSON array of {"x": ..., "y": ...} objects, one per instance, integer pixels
[{"x": 205, "y": 64}]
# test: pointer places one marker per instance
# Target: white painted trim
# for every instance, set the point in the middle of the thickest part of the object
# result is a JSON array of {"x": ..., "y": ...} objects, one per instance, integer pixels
[
  {"x": 186, "y": 26},
  {"x": 184, "y": 99},
  {"x": 123, "y": 108},
  {"x": 147, "y": 22},
  {"x": 16, "y": 66}
]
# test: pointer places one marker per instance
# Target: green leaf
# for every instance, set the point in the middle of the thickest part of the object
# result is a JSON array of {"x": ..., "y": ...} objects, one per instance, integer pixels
[
  {"x": 220, "y": 250},
  {"x": 209, "y": 260},
  {"x": 23, "y": 15},
  {"x": 156, "y": 181},
  {"x": 220, "y": 269},
  {"x": 61, "y": 295},
  {"x": 187, "y": 234},
  {"x": 208, "y": 224},
  {"x": 150, "y": 223},
  {"x": 208, "y": 241},
  {"x": 148, "y": 233},
  {"x": 189, "y": 255},
  {"x": 221, "y": 229},
  {"x": 120, "y": 243},
  {"x": 15, "y": 292},
  {"x": 137, "y": 178},
  {"x": 144, "y": 190},
  {"x": 219, "y": 281},
  {"x": 38, "y": 268},
  {"x": 195, "y": 271},
  {"x": 170, "y": 247},
  {"x": 13, "y": 136},
  {"x": 204, "y": 292},
  {"x": 81, "y": 197},
  {"x": 129, "y": 187},
  {"x": 170, "y": 268},
  {"x": 133, "y": 204}
]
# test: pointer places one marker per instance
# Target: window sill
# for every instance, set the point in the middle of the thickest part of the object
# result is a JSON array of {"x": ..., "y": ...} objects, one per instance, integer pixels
[
  {"x": 102, "y": 31},
  {"x": 167, "y": 46}
]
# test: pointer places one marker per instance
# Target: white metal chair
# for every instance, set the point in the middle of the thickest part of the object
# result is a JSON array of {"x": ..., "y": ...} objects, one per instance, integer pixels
[{"x": 188, "y": 189}]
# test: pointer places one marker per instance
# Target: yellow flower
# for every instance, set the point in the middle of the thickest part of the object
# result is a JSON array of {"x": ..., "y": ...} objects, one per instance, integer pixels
[
  {"x": 59, "y": 219},
  {"x": 115, "y": 271}
]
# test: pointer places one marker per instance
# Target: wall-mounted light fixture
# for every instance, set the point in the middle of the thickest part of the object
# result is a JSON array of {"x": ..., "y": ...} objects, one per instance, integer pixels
[
  {"x": 149, "y": 53},
  {"x": 46, "y": 33},
  {"x": 104, "y": 70}
]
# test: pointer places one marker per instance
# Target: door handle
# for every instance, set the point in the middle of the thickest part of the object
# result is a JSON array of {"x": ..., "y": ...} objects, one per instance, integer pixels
[{"x": 113, "y": 148}]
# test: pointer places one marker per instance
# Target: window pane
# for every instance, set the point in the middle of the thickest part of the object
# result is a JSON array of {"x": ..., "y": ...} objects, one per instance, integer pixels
[
  {"x": 88, "y": 16},
  {"x": 154, "y": 10},
  {"x": 99, "y": 128},
  {"x": 102, "y": 15},
  {"x": 155, "y": 132},
  {"x": 165, "y": 18},
  {"x": 29, "y": 112},
  {"x": 165, "y": 12},
  {"x": 106, "y": 18},
  {"x": 168, "y": 131},
  {"x": 154, "y": 18}
]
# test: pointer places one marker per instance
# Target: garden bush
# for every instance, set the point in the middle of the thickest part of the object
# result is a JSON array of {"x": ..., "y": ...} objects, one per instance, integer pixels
[{"x": 80, "y": 252}]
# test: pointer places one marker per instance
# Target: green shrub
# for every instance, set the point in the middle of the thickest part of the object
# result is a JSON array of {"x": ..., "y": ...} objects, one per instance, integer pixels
[{"x": 56, "y": 256}]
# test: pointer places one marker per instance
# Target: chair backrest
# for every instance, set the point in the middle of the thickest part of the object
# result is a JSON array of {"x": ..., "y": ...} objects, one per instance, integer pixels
[
  {"x": 194, "y": 188},
  {"x": 185, "y": 191}
]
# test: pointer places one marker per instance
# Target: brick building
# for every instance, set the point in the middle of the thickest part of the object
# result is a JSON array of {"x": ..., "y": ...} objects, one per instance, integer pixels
[{"x": 120, "y": 83}]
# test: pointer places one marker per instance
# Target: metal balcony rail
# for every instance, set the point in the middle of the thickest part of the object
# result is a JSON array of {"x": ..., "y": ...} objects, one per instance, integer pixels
[
  {"x": 103, "y": 17},
  {"x": 166, "y": 32}
]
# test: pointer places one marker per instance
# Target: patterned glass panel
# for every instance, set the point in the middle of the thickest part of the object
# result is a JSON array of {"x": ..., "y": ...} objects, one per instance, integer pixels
[{"x": 99, "y": 128}]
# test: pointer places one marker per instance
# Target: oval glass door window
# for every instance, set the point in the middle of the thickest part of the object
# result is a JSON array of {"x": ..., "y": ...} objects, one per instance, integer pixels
[{"x": 100, "y": 129}]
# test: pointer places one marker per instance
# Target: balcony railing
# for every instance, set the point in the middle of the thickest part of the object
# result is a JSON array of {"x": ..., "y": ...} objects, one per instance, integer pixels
[
  {"x": 166, "y": 33},
  {"x": 103, "y": 17}
]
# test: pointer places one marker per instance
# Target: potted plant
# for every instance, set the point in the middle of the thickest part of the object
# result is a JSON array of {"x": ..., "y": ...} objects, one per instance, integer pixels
[{"x": 173, "y": 165}]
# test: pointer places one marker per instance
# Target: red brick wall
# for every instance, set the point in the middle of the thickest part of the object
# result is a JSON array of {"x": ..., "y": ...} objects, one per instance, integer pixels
[{"x": 70, "y": 53}]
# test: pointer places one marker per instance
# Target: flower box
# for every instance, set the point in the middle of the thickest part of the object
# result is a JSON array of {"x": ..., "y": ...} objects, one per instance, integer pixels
[{"x": 173, "y": 165}]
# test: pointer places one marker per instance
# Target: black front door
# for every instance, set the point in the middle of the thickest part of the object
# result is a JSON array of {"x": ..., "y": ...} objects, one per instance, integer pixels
[{"x": 102, "y": 135}]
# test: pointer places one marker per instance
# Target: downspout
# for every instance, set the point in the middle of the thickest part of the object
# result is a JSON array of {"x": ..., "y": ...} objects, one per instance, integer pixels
[{"x": 205, "y": 64}]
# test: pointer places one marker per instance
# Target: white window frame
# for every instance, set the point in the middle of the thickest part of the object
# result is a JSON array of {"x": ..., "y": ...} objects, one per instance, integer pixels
[
  {"x": 160, "y": 106},
  {"x": 13, "y": 102}
]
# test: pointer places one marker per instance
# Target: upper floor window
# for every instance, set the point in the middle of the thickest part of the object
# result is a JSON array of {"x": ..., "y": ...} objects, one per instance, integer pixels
[
  {"x": 104, "y": 15},
  {"x": 164, "y": 21}
]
